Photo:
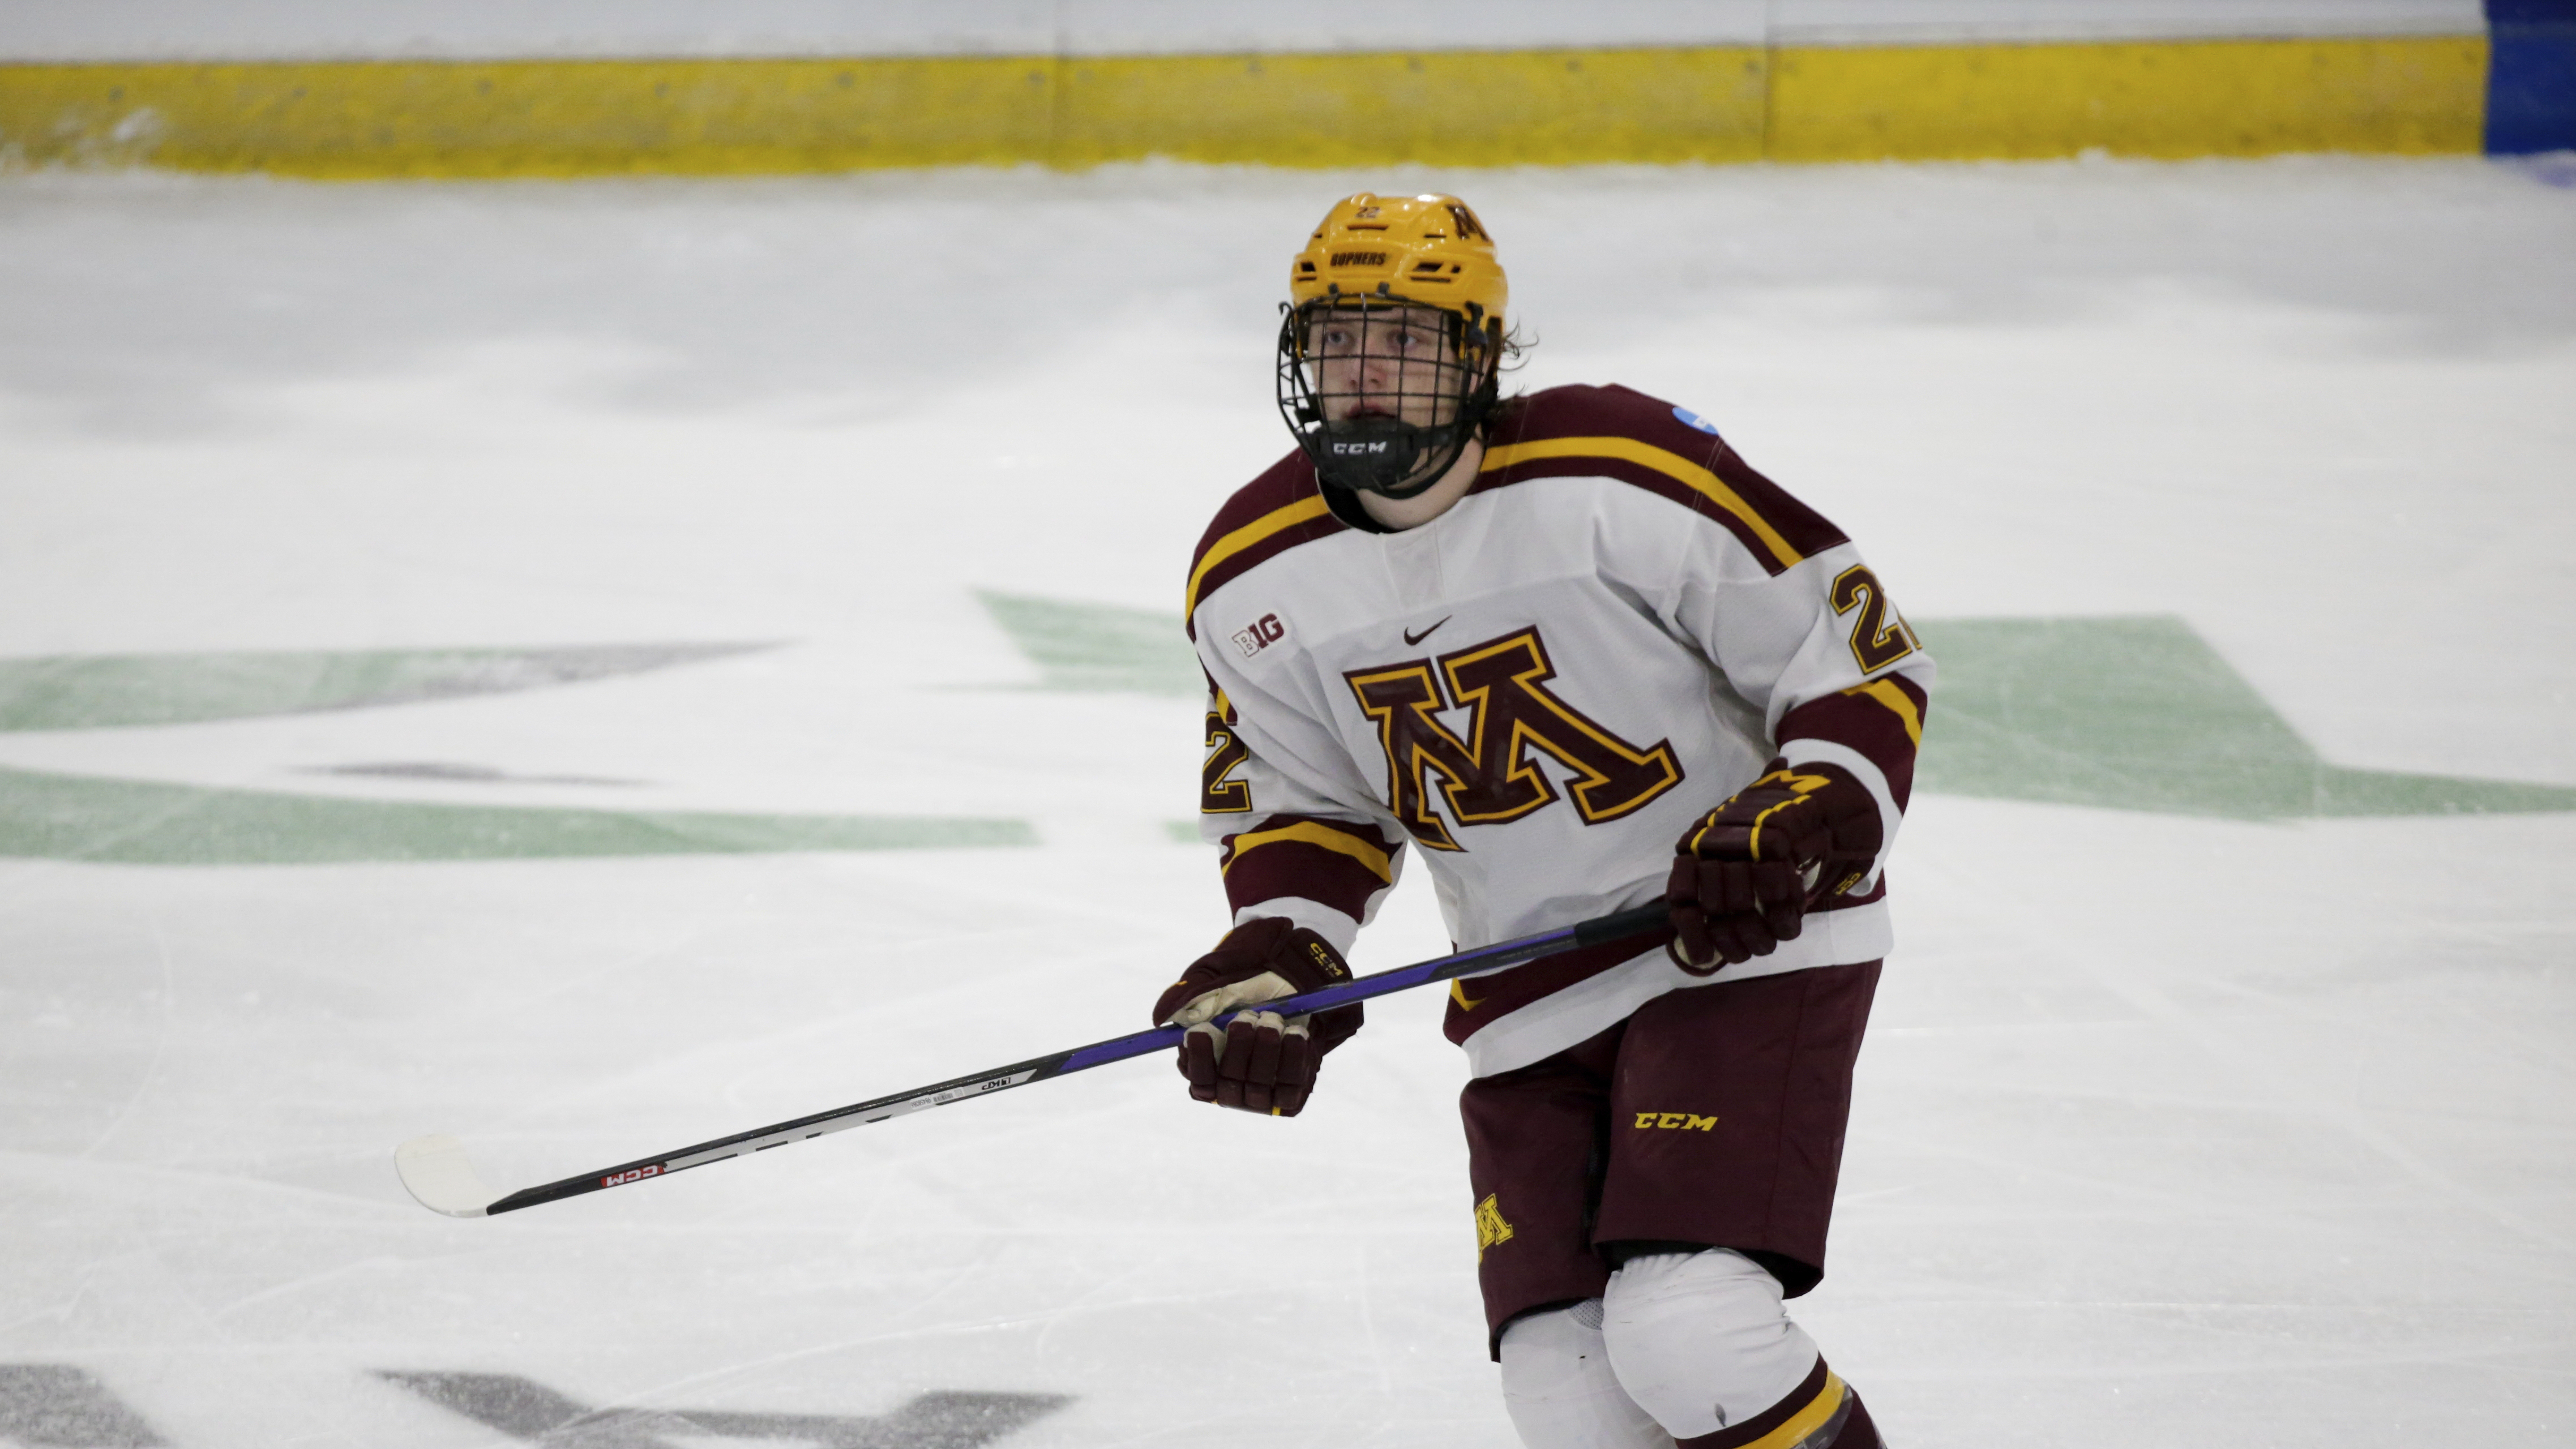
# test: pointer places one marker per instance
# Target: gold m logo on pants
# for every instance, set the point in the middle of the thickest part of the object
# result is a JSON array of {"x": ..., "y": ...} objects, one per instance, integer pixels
[{"x": 1490, "y": 1227}]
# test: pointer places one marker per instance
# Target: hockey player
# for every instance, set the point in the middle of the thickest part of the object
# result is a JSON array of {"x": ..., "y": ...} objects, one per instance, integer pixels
[{"x": 1582, "y": 657}]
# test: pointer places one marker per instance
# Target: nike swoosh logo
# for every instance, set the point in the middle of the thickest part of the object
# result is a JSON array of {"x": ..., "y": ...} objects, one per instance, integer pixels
[{"x": 1411, "y": 638}]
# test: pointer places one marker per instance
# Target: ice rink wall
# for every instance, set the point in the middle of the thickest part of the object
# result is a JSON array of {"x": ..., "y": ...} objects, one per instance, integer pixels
[{"x": 373, "y": 88}]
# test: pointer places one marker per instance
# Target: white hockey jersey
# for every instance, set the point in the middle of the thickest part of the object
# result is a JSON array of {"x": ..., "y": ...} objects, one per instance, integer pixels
[{"x": 1616, "y": 629}]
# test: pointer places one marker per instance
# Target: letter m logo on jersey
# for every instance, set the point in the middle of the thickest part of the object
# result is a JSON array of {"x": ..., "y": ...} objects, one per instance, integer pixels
[{"x": 1489, "y": 777}]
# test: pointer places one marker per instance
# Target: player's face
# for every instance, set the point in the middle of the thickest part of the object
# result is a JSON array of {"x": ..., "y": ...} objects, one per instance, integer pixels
[{"x": 1391, "y": 362}]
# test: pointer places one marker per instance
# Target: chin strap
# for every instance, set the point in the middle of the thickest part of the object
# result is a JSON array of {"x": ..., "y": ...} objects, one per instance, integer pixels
[{"x": 1361, "y": 458}]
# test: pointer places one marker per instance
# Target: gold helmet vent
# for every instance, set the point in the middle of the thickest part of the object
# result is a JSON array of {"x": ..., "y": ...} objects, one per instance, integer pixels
[{"x": 1427, "y": 249}]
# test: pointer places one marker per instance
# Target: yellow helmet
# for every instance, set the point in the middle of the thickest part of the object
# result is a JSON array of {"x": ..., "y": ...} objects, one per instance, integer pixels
[
  {"x": 1381, "y": 396},
  {"x": 1429, "y": 250}
]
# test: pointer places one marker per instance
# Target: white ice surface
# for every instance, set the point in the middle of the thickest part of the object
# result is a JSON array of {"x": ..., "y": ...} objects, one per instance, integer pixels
[{"x": 2169, "y": 1131}]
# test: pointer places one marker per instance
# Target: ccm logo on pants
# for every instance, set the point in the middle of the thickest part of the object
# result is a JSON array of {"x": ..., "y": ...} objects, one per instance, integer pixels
[{"x": 1675, "y": 1121}]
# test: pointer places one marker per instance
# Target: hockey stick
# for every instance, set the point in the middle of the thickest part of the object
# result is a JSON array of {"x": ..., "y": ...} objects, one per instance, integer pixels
[{"x": 436, "y": 1171}]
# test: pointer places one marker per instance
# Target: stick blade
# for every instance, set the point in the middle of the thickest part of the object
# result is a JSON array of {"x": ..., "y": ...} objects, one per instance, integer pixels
[{"x": 436, "y": 1173}]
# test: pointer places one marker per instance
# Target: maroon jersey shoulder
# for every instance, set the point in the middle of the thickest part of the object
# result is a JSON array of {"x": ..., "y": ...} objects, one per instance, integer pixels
[
  {"x": 1618, "y": 432},
  {"x": 1266, "y": 517},
  {"x": 1577, "y": 410}
]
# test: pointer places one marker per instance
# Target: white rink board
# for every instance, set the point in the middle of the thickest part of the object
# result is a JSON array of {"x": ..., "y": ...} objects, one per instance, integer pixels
[
  {"x": 2169, "y": 1131},
  {"x": 144, "y": 30}
]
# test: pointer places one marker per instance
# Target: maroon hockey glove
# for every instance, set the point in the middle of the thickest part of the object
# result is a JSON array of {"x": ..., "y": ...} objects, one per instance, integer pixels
[
  {"x": 1261, "y": 1062},
  {"x": 1749, "y": 869}
]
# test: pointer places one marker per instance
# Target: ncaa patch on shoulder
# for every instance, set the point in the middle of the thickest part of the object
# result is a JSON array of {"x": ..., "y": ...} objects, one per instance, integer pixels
[{"x": 1695, "y": 420}]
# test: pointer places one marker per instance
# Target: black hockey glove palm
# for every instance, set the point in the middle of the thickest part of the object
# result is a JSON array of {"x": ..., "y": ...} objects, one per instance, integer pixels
[
  {"x": 1749, "y": 870},
  {"x": 1261, "y": 1062}
]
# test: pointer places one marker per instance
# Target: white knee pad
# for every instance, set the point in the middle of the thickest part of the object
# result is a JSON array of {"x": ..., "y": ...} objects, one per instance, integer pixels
[
  {"x": 1560, "y": 1391},
  {"x": 1699, "y": 1340}
]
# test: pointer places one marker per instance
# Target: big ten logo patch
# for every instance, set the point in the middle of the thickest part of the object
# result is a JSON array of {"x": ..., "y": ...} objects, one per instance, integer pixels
[
  {"x": 1488, "y": 777},
  {"x": 1674, "y": 1122},
  {"x": 1260, "y": 634},
  {"x": 1490, "y": 1227}
]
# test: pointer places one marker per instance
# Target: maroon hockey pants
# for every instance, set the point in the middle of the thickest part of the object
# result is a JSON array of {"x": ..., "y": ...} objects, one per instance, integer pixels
[{"x": 1712, "y": 1117}]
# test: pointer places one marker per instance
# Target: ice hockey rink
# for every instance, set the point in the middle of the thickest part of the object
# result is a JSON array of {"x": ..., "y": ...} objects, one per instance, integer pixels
[{"x": 594, "y": 666}]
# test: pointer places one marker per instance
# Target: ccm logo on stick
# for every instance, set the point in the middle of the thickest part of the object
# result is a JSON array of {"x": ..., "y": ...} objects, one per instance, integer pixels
[
  {"x": 962, "y": 1093},
  {"x": 1260, "y": 634},
  {"x": 632, "y": 1174}
]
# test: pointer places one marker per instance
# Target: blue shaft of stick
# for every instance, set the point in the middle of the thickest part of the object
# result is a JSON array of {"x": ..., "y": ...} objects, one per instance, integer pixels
[{"x": 1617, "y": 926}]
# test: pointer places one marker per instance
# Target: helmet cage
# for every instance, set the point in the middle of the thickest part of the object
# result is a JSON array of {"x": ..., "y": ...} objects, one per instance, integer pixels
[{"x": 1404, "y": 418}]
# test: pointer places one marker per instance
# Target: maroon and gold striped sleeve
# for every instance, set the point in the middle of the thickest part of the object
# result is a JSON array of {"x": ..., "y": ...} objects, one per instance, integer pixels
[
  {"x": 1882, "y": 720},
  {"x": 1336, "y": 863}
]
